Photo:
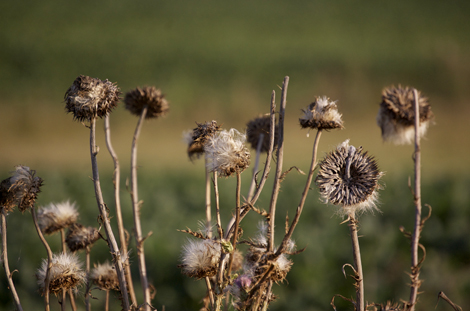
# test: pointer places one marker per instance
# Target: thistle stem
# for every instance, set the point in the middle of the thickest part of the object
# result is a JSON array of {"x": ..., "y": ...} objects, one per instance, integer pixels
[
  {"x": 87, "y": 271},
  {"x": 49, "y": 260},
  {"x": 300, "y": 207},
  {"x": 255, "y": 167},
  {"x": 209, "y": 290},
  {"x": 112, "y": 244},
  {"x": 237, "y": 223},
  {"x": 6, "y": 266},
  {"x": 106, "y": 304},
  {"x": 415, "y": 282},
  {"x": 217, "y": 207},
  {"x": 277, "y": 178},
  {"x": 357, "y": 263},
  {"x": 136, "y": 205},
  {"x": 208, "y": 200},
  {"x": 117, "y": 199}
]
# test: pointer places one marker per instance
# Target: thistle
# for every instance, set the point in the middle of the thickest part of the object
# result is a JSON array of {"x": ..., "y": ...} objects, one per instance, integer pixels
[
  {"x": 199, "y": 136},
  {"x": 349, "y": 177},
  {"x": 396, "y": 115},
  {"x": 321, "y": 114},
  {"x": 80, "y": 237},
  {"x": 150, "y": 97},
  {"x": 56, "y": 217},
  {"x": 88, "y": 98},
  {"x": 227, "y": 153},
  {"x": 257, "y": 127},
  {"x": 200, "y": 258},
  {"x": 105, "y": 277},
  {"x": 66, "y": 273}
]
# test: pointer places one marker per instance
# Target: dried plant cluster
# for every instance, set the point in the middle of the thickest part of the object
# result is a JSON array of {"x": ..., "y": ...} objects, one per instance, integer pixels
[{"x": 347, "y": 177}]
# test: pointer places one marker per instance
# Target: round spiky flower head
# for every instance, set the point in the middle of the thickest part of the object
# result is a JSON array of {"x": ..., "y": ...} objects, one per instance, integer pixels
[
  {"x": 55, "y": 217},
  {"x": 349, "y": 177},
  {"x": 201, "y": 258},
  {"x": 227, "y": 153},
  {"x": 66, "y": 273},
  {"x": 21, "y": 189},
  {"x": 79, "y": 237},
  {"x": 105, "y": 276},
  {"x": 321, "y": 114},
  {"x": 396, "y": 115},
  {"x": 258, "y": 126},
  {"x": 137, "y": 99},
  {"x": 88, "y": 98},
  {"x": 199, "y": 136}
]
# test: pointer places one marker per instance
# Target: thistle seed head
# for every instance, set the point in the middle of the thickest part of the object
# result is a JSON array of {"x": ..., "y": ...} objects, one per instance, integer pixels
[
  {"x": 200, "y": 258},
  {"x": 349, "y": 177},
  {"x": 66, "y": 273},
  {"x": 321, "y": 114},
  {"x": 89, "y": 98},
  {"x": 21, "y": 189},
  {"x": 258, "y": 126},
  {"x": 79, "y": 237},
  {"x": 55, "y": 217},
  {"x": 138, "y": 98},
  {"x": 199, "y": 136},
  {"x": 396, "y": 115},
  {"x": 105, "y": 276},
  {"x": 227, "y": 153}
]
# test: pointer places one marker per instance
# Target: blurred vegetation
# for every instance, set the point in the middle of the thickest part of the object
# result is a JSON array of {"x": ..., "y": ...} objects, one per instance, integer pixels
[{"x": 220, "y": 60}]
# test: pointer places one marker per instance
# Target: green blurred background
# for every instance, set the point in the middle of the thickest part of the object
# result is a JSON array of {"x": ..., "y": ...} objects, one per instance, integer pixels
[{"x": 220, "y": 61}]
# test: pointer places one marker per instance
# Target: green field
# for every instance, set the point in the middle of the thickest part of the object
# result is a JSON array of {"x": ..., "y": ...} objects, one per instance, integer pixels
[{"x": 221, "y": 61}]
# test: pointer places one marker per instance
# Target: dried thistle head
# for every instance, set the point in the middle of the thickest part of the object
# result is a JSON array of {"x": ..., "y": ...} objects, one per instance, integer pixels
[
  {"x": 21, "y": 189},
  {"x": 349, "y": 177},
  {"x": 200, "y": 258},
  {"x": 227, "y": 153},
  {"x": 57, "y": 216},
  {"x": 258, "y": 126},
  {"x": 199, "y": 136},
  {"x": 105, "y": 276},
  {"x": 79, "y": 237},
  {"x": 88, "y": 98},
  {"x": 66, "y": 273},
  {"x": 150, "y": 97},
  {"x": 396, "y": 115},
  {"x": 321, "y": 114}
]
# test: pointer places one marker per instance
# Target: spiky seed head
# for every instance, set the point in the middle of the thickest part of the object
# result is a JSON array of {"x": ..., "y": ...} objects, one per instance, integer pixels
[
  {"x": 321, "y": 114},
  {"x": 89, "y": 98},
  {"x": 282, "y": 266},
  {"x": 57, "y": 216},
  {"x": 79, "y": 237},
  {"x": 200, "y": 258},
  {"x": 105, "y": 276},
  {"x": 66, "y": 273},
  {"x": 349, "y": 177},
  {"x": 396, "y": 115},
  {"x": 227, "y": 153},
  {"x": 21, "y": 189},
  {"x": 147, "y": 96},
  {"x": 258, "y": 126},
  {"x": 199, "y": 136}
]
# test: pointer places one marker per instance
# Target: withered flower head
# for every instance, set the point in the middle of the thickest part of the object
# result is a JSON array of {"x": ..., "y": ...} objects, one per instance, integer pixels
[
  {"x": 105, "y": 276},
  {"x": 150, "y": 97},
  {"x": 66, "y": 273},
  {"x": 321, "y": 114},
  {"x": 258, "y": 126},
  {"x": 349, "y": 177},
  {"x": 88, "y": 98},
  {"x": 21, "y": 189},
  {"x": 199, "y": 136},
  {"x": 396, "y": 115},
  {"x": 200, "y": 258},
  {"x": 55, "y": 217},
  {"x": 79, "y": 237},
  {"x": 227, "y": 153}
]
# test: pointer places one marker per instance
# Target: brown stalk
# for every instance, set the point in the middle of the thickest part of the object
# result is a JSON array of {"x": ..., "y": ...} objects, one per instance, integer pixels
[
  {"x": 300, "y": 207},
  {"x": 49, "y": 260},
  {"x": 237, "y": 223},
  {"x": 255, "y": 167},
  {"x": 88, "y": 282},
  {"x": 277, "y": 179},
  {"x": 136, "y": 205},
  {"x": 208, "y": 200},
  {"x": 415, "y": 264},
  {"x": 117, "y": 199},
  {"x": 64, "y": 250},
  {"x": 357, "y": 263},
  {"x": 6, "y": 266},
  {"x": 112, "y": 244}
]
